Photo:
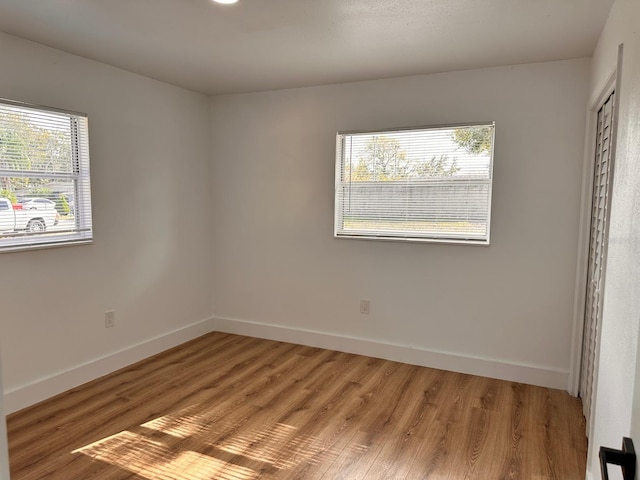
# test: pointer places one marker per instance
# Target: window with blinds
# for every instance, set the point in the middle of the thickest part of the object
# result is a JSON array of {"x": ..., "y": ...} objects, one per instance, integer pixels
[
  {"x": 45, "y": 195},
  {"x": 415, "y": 184}
]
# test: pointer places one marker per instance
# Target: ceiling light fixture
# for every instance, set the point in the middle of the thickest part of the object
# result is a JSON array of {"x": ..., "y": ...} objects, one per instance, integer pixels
[{"x": 226, "y": 2}]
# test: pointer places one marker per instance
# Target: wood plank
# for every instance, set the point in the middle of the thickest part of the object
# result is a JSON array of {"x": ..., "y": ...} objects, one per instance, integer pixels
[{"x": 238, "y": 408}]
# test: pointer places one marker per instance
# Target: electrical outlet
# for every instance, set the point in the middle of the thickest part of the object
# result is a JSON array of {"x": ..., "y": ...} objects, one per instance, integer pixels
[
  {"x": 365, "y": 306},
  {"x": 109, "y": 319}
]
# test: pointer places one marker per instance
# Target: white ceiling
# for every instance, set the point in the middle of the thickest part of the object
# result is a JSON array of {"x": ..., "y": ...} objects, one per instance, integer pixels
[{"x": 272, "y": 44}]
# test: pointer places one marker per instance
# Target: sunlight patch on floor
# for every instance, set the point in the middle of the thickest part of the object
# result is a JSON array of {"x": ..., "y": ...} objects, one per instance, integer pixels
[
  {"x": 190, "y": 445},
  {"x": 279, "y": 445},
  {"x": 154, "y": 461},
  {"x": 178, "y": 426}
]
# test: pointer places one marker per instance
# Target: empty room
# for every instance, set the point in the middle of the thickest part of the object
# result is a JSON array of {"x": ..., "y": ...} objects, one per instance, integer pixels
[{"x": 359, "y": 239}]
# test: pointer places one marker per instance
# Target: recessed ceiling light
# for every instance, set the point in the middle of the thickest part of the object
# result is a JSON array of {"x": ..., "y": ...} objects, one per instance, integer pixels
[{"x": 226, "y": 2}]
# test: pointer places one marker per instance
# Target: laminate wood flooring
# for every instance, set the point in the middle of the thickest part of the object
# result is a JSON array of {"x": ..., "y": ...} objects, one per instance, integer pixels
[{"x": 230, "y": 407}]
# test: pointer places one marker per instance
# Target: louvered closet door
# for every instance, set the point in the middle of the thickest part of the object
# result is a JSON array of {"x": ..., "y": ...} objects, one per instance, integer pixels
[{"x": 597, "y": 245}]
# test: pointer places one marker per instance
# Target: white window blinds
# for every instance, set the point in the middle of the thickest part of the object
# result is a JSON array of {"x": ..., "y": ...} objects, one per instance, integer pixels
[
  {"x": 421, "y": 184},
  {"x": 45, "y": 195}
]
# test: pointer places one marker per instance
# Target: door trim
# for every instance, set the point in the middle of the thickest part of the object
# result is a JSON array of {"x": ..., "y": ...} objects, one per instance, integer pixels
[{"x": 595, "y": 102}]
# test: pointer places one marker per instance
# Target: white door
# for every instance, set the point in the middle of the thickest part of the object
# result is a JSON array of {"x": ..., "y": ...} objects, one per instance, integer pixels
[{"x": 597, "y": 248}]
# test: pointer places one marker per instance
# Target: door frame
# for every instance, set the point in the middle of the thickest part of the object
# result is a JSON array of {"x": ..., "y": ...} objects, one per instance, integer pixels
[
  {"x": 611, "y": 85},
  {"x": 4, "y": 450}
]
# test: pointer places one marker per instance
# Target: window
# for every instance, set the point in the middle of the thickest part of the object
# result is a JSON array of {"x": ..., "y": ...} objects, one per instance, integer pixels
[
  {"x": 418, "y": 184},
  {"x": 45, "y": 192}
]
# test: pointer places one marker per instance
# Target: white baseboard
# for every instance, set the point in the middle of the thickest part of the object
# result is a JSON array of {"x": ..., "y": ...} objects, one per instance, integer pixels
[
  {"x": 26, "y": 395},
  {"x": 515, "y": 372}
]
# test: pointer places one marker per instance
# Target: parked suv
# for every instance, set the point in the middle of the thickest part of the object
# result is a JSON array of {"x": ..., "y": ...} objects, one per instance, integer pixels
[{"x": 37, "y": 204}]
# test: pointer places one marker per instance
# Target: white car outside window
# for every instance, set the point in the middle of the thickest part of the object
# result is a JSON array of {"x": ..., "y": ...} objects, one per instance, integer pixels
[{"x": 38, "y": 204}]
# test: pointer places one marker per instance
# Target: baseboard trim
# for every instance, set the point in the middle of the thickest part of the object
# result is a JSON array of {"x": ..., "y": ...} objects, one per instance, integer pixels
[
  {"x": 32, "y": 393},
  {"x": 515, "y": 372}
]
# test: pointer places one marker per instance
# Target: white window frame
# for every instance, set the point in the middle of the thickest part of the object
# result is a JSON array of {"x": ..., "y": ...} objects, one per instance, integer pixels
[
  {"x": 341, "y": 232},
  {"x": 81, "y": 232}
]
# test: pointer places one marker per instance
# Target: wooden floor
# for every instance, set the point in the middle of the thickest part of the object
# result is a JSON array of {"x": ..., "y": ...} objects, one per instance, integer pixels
[{"x": 239, "y": 408}]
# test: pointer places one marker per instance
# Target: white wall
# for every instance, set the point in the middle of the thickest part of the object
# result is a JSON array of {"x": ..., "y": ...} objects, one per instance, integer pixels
[
  {"x": 615, "y": 402},
  {"x": 503, "y": 310},
  {"x": 150, "y": 259}
]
